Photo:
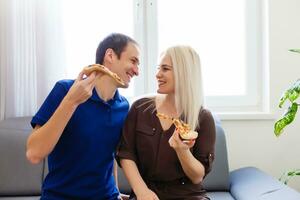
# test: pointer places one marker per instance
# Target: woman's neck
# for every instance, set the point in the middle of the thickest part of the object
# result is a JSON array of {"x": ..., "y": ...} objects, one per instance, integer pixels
[{"x": 166, "y": 105}]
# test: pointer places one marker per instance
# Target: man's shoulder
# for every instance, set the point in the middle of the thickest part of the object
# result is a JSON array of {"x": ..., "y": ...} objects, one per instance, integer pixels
[
  {"x": 122, "y": 98},
  {"x": 66, "y": 83}
]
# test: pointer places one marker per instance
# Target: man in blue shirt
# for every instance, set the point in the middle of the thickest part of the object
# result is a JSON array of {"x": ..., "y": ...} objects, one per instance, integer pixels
[{"x": 79, "y": 125}]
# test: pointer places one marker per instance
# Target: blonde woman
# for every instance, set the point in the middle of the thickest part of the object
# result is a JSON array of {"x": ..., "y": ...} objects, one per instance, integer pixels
[{"x": 156, "y": 161}]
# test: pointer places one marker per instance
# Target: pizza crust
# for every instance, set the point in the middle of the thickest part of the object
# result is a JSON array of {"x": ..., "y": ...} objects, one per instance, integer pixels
[
  {"x": 184, "y": 129},
  {"x": 101, "y": 68}
]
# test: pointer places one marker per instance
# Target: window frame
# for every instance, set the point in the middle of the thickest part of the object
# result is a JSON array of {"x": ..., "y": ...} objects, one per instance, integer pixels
[{"x": 256, "y": 97}]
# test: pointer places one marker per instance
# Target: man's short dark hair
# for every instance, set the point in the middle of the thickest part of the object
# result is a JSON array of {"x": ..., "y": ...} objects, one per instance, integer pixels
[{"x": 116, "y": 41}]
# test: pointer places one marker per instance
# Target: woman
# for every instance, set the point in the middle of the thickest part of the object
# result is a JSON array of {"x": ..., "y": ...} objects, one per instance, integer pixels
[{"x": 156, "y": 162}]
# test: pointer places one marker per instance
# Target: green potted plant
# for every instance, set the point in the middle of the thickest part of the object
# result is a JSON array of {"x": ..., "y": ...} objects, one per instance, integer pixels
[{"x": 292, "y": 95}]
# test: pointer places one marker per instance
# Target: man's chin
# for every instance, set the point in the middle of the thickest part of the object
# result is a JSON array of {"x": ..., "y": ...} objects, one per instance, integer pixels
[{"x": 126, "y": 85}]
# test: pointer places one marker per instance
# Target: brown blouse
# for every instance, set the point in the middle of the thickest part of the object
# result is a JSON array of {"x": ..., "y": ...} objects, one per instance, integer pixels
[{"x": 146, "y": 143}]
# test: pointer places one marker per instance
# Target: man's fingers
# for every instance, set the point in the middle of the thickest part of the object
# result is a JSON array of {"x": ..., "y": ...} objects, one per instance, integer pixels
[
  {"x": 91, "y": 77},
  {"x": 80, "y": 76},
  {"x": 90, "y": 80},
  {"x": 92, "y": 83}
]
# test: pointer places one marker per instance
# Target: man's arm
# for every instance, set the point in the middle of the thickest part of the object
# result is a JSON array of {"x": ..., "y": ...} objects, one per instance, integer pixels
[{"x": 43, "y": 139}]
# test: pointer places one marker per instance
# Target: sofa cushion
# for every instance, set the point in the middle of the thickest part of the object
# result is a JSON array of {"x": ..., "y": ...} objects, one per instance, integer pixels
[
  {"x": 21, "y": 198},
  {"x": 18, "y": 176}
]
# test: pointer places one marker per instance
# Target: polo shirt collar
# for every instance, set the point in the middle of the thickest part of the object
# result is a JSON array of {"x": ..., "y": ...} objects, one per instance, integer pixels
[{"x": 95, "y": 96}]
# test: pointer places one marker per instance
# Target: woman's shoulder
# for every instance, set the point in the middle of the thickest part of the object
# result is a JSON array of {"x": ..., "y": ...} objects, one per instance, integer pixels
[
  {"x": 206, "y": 119},
  {"x": 143, "y": 101},
  {"x": 205, "y": 113}
]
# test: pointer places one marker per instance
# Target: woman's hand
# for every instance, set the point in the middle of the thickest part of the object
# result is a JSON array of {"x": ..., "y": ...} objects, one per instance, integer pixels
[
  {"x": 123, "y": 196},
  {"x": 177, "y": 144},
  {"x": 147, "y": 195}
]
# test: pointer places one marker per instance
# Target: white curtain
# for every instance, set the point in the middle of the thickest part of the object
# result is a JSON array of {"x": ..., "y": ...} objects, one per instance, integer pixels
[{"x": 31, "y": 54}]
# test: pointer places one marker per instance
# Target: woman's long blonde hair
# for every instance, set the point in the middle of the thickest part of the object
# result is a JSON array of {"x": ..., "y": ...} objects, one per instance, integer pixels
[{"x": 188, "y": 83}]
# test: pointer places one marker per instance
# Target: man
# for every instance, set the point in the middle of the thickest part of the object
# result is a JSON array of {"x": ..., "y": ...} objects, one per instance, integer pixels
[{"x": 79, "y": 125}]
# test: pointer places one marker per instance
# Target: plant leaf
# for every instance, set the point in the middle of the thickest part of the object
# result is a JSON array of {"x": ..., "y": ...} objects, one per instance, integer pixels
[
  {"x": 286, "y": 176},
  {"x": 295, "y": 50},
  {"x": 288, "y": 117},
  {"x": 291, "y": 93}
]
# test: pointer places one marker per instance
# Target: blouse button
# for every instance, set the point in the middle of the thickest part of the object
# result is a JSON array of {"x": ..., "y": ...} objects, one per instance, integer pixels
[{"x": 153, "y": 129}]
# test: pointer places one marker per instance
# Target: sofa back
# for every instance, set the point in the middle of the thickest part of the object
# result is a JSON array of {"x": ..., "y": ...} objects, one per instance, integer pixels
[
  {"x": 17, "y": 176},
  {"x": 218, "y": 178}
]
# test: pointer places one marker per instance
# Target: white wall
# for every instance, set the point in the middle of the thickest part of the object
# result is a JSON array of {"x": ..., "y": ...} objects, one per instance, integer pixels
[{"x": 252, "y": 142}]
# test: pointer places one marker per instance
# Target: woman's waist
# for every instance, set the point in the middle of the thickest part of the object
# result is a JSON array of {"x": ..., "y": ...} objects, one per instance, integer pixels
[{"x": 177, "y": 181}]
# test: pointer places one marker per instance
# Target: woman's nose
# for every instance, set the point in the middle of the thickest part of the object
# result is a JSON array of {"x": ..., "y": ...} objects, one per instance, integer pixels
[{"x": 158, "y": 74}]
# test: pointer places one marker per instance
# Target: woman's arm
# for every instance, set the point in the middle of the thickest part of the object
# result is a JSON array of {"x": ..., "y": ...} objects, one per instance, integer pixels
[
  {"x": 136, "y": 181},
  {"x": 197, "y": 164},
  {"x": 193, "y": 168}
]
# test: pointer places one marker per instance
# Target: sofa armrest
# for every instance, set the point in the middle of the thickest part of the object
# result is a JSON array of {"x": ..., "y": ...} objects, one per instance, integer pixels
[{"x": 250, "y": 183}]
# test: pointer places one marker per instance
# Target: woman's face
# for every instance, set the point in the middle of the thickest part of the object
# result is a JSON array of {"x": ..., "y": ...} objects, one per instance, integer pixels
[{"x": 165, "y": 75}]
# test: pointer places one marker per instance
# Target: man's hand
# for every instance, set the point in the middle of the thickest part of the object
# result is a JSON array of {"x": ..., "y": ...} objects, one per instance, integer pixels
[
  {"x": 82, "y": 89},
  {"x": 177, "y": 144}
]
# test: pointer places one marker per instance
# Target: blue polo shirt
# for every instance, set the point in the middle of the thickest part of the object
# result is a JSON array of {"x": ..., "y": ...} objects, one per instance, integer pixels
[{"x": 81, "y": 164}]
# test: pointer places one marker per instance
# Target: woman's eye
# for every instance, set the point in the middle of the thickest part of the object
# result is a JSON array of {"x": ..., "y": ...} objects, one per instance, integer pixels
[{"x": 163, "y": 68}]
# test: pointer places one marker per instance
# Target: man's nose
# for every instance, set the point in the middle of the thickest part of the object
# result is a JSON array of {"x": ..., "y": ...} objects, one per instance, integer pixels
[{"x": 136, "y": 70}]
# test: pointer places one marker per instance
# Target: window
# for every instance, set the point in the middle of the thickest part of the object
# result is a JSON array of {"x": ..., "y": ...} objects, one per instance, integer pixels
[
  {"x": 86, "y": 23},
  {"x": 226, "y": 34}
]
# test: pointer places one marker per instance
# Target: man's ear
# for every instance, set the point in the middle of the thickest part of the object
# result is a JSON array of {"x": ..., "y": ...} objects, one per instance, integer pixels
[{"x": 109, "y": 55}]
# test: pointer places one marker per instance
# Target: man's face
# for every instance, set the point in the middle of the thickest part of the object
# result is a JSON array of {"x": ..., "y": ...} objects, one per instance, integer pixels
[{"x": 127, "y": 66}]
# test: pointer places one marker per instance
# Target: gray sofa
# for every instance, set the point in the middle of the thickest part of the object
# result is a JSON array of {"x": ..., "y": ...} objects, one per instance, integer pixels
[{"x": 20, "y": 180}]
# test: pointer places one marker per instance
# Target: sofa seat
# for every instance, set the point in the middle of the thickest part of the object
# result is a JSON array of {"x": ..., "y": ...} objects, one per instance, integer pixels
[{"x": 220, "y": 196}]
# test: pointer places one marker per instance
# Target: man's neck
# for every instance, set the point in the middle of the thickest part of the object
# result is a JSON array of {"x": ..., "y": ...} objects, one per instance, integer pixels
[{"x": 105, "y": 87}]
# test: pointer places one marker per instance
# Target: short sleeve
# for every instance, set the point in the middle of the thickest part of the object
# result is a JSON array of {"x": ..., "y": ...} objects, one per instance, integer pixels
[
  {"x": 204, "y": 148},
  {"x": 50, "y": 105},
  {"x": 126, "y": 148}
]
